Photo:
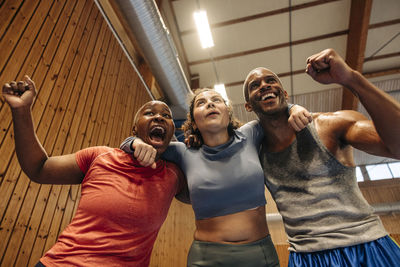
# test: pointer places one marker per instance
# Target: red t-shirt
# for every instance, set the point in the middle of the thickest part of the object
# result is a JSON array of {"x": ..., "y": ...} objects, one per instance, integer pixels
[{"x": 120, "y": 212}]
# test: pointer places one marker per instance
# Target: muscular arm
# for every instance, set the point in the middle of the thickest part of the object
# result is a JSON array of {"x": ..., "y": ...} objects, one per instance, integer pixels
[
  {"x": 328, "y": 67},
  {"x": 341, "y": 130},
  {"x": 384, "y": 112},
  {"x": 31, "y": 155}
]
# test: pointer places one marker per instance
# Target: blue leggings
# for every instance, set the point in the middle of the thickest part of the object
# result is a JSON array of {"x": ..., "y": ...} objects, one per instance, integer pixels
[{"x": 383, "y": 252}]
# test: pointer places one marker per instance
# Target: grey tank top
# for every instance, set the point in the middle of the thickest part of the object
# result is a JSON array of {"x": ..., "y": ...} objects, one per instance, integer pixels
[{"x": 319, "y": 199}]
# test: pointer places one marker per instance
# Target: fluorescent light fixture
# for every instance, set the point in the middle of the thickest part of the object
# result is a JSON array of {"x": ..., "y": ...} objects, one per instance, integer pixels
[
  {"x": 203, "y": 28},
  {"x": 220, "y": 88}
]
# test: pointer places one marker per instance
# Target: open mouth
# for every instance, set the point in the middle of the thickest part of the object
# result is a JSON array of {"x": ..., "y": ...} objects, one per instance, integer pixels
[
  {"x": 212, "y": 113},
  {"x": 157, "y": 134},
  {"x": 268, "y": 96}
]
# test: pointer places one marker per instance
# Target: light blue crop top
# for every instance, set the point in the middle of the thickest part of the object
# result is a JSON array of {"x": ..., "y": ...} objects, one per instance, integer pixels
[{"x": 225, "y": 179}]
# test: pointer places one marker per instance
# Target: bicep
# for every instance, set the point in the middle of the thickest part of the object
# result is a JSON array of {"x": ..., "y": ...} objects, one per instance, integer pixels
[
  {"x": 61, "y": 170},
  {"x": 362, "y": 135}
]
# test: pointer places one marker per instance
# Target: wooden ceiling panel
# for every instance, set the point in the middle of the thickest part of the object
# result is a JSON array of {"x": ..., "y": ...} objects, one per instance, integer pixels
[
  {"x": 320, "y": 20},
  {"x": 382, "y": 64},
  {"x": 383, "y": 41},
  {"x": 254, "y": 34},
  {"x": 384, "y": 10},
  {"x": 184, "y": 14}
]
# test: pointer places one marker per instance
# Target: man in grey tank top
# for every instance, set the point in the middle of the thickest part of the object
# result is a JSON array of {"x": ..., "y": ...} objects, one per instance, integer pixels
[{"x": 311, "y": 174}]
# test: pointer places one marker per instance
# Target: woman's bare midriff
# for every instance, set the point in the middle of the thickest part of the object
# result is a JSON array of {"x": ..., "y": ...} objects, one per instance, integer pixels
[{"x": 238, "y": 228}]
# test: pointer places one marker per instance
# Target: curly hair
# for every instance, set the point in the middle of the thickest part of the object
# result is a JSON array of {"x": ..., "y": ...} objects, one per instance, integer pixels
[{"x": 193, "y": 136}]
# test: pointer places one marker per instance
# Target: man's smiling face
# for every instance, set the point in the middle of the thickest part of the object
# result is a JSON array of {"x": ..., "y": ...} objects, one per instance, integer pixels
[{"x": 263, "y": 91}]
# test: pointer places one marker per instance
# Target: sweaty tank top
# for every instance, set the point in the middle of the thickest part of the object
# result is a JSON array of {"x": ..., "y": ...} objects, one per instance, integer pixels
[{"x": 318, "y": 197}]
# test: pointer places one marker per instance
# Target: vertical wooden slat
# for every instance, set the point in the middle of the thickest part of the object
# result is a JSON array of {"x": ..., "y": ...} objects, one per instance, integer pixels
[
  {"x": 8, "y": 10},
  {"x": 12, "y": 206},
  {"x": 96, "y": 114},
  {"x": 27, "y": 43},
  {"x": 132, "y": 88},
  {"x": 11, "y": 35},
  {"x": 283, "y": 254},
  {"x": 115, "y": 111},
  {"x": 100, "y": 129}
]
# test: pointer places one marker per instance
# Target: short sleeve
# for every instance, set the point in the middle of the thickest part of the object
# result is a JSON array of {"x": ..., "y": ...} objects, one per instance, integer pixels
[
  {"x": 85, "y": 157},
  {"x": 253, "y": 131}
]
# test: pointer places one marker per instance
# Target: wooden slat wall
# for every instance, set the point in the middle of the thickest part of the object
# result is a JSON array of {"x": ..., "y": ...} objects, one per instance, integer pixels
[
  {"x": 175, "y": 237},
  {"x": 384, "y": 191}
]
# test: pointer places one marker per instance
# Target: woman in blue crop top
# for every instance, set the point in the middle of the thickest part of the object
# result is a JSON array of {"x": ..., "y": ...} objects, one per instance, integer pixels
[{"x": 226, "y": 184}]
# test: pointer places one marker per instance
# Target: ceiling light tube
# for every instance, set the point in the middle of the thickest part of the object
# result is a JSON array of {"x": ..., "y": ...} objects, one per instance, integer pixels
[
  {"x": 203, "y": 28},
  {"x": 220, "y": 88}
]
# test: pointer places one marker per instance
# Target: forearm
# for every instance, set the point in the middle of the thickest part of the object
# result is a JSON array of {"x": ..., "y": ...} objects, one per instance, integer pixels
[
  {"x": 31, "y": 155},
  {"x": 126, "y": 145},
  {"x": 383, "y": 109}
]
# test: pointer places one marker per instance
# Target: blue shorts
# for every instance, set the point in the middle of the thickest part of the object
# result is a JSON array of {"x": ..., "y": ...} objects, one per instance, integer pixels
[{"x": 383, "y": 252}]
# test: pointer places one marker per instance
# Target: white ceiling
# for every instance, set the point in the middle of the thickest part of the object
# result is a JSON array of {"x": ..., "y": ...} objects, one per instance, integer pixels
[{"x": 252, "y": 33}]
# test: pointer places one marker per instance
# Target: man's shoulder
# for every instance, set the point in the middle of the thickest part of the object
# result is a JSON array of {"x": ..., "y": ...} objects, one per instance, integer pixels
[
  {"x": 331, "y": 126},
  {"x": 332, "y": 119}
]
